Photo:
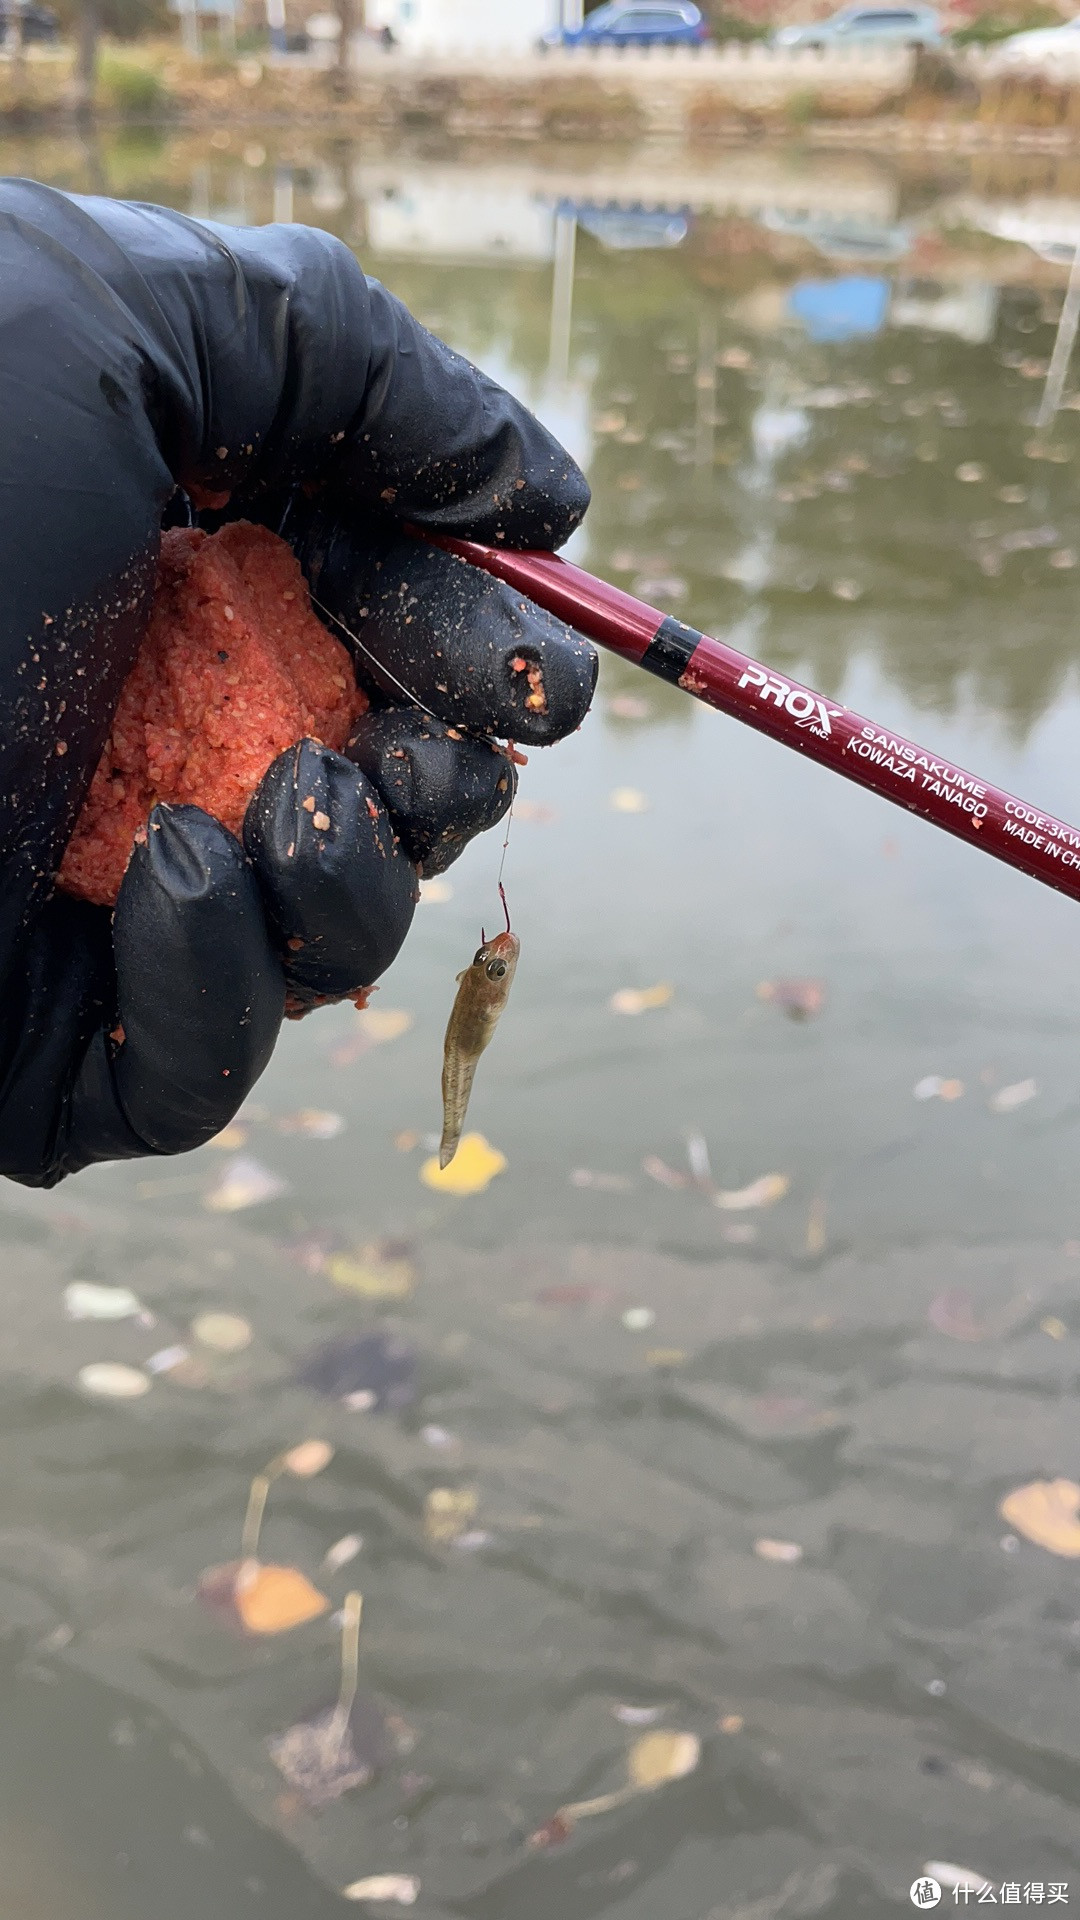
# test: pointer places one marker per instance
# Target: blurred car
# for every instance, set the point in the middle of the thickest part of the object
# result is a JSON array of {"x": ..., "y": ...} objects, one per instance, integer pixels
[
  {"x": 630, "y": 229},
  {"x": 1050, "y": 48},
  {"x": 38, "y": 23},
  {"x": 635, "y": 23},
  {"x": 899, "y": 26}
]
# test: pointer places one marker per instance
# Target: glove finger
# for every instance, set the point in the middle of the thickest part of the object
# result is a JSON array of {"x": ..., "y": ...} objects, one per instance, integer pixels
[
  {"x": 340, "y": 889},
  {"x": 465, "y": 646},
  {"x": 440, "y": 787},
  {"x": 199, "y": 992},
  {"x": 440, "y": 443}
]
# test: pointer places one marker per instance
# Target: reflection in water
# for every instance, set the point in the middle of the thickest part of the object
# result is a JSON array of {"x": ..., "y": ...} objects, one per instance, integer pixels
[{"x": 625, "y": 1385}]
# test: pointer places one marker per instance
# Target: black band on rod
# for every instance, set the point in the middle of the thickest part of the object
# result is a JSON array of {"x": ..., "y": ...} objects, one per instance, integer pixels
[{"x": 671, "y": 649}]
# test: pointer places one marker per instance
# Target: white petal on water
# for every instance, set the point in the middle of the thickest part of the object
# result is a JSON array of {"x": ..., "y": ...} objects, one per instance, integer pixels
[
  {"x": 342, "y": 1552},
  {"x": 1006, "y": 1099},
  {"x": 85, "y": 1301},
  {"x": 222, "y": 1332},
  {"x": 113, "y": 1381}
]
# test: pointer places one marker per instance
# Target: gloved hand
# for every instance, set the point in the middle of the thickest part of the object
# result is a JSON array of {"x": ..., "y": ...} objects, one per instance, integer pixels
[{"x": 260, "y": 372}]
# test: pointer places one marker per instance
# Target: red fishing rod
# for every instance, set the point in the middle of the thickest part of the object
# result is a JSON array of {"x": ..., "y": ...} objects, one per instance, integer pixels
[{"x": 873, "y": 756}]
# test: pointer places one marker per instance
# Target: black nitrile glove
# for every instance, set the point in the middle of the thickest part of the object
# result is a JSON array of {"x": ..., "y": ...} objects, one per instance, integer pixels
[{"x": 142, "y": 352}]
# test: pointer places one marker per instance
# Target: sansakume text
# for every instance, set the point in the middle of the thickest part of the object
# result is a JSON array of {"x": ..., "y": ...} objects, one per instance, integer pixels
[{"x": 899, "y": 757}]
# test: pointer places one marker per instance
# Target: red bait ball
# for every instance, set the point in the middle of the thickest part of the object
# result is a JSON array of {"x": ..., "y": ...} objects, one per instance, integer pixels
[{"x": 234, "y": 668}]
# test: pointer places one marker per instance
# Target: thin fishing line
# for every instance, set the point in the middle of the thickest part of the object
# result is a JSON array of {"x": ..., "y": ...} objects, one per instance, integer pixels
[
  {"x": 375, "y": 661},
  {"x": 410, "y": 696}
]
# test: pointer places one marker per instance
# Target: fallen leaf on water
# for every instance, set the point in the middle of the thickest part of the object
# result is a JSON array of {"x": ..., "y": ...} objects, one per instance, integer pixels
[
  {"x": 612, "y": 422},
  {"x": 933, "y": 1087},
  {"x": 970, "y": 472},
  {"x": 473, "y": 1167},
  {"x": 629, "y": 800},
  {"x": 641, "y": 999},
  {"x": 600, "y": 1182},
  {"x": 232, "y": 1138},
  {"x": 653, "y": 1761},
  {"x": 342, "y": 1552},
  {"x": 1007, "y": 1099},
  {"x": 638, "y": 1319},
  {"x": 222, "y": 1332},
  {"x": 244, "y": 1183},
  {"x": 799, "y": 999},
  {"x": 307, "y": 1459},
  {"x": 85, "y": 1301},
  {"x": 373, "y": 1369},
  {"x": 375, "y": 1273},
  {"x": 784, "y": 1552},
  {"x": 815, "y": 1226},
  {"x": 435, "y": 892},
  {"x": 113, "y": 1381},
  {"x": 402, "y": 1887},
  {"x": 447, "y": 1512},
  {"x": 1056, "y": 1328},
  {"x": 629, "y": 706},
  {"x": 731, "y": 1723},
  {"x": 760, "y": 1193},
  {"x": 638, "y": 1716},
  {"x": 735, "y": 357},
  {"x": 1064, "y": 559},
  {"x": 1046, "y": 1511},
  {"x": 316, "y": 1123},
  {"x": 659, "y": 1757},
  {"x": 264, "y": 1599},
  {"x": 666, "y": 1176},
  {"x": 847, "y": 590}
]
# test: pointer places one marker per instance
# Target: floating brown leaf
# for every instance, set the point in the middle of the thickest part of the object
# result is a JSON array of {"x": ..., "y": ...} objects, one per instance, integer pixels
[{"x": 1047, "y": 1512}]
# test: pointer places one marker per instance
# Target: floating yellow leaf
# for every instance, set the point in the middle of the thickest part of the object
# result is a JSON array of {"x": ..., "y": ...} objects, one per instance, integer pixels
[
  {"x": 380, "y": 1024},
  {"x": 370, "y": 1274},
  {"x": 641, "y": 999},
  {"x": 447, "y": 1512},
  {"x": 629, "y": 800},
  {"x": 760, "y": 1193},
  {"x": 273, "y": 1599},
  {"x": 223, "y": 1332},
  {"x": 1046, "y": 1511},
  {"x": 308, "y": 1459},
  {"x": 473, "y": 1167},
  {"x": 1054, "y": 1327},
  {"x": 231, "y": 1138},
  {"x": 662, "y": 1756}
]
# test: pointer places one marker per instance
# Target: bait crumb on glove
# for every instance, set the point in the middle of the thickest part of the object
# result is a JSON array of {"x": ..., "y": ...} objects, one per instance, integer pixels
[{"x": 234, "y": 668}]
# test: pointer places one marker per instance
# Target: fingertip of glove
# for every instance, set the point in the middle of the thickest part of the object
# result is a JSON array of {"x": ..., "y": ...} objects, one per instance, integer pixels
[
  {"x": 339, "y": 887},
  {"x": 185, "y": 853}
]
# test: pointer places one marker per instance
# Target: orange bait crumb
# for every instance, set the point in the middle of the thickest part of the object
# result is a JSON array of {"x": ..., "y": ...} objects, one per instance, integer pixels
[{"x": 233, "y": 669}]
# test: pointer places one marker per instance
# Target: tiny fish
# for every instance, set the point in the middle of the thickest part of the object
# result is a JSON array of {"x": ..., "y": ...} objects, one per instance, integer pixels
[{"x": 482, "y": 993}]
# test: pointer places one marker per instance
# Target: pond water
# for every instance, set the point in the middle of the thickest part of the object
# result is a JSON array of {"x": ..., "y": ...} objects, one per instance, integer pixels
[{"x": 810, "y": 391}]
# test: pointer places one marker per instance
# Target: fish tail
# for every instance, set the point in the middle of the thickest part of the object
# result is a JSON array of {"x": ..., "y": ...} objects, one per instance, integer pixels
[{"x": 458, "y": 1073}]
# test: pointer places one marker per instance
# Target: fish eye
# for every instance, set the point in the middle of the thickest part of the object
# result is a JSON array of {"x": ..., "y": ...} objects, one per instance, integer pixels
[{"x": 496, "y": 969}]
